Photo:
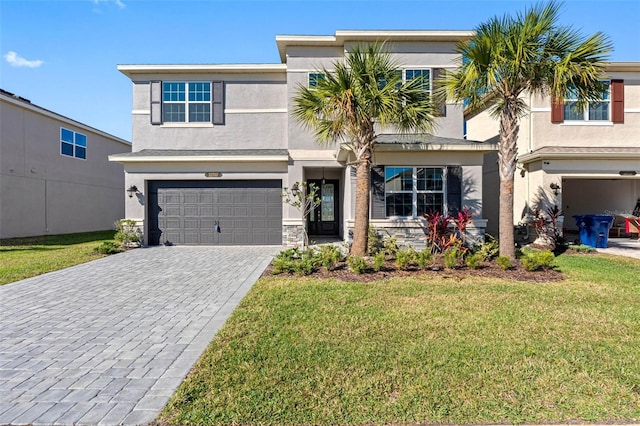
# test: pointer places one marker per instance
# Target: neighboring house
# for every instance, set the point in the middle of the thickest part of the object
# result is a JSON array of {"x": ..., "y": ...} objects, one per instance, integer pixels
[
  {"x": 584, "y": 162},
  {"x": 214, "y": 146},
  {"x": 55, "y": 177}
]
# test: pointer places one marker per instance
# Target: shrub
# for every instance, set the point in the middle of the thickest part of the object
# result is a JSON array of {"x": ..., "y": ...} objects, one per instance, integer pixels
[
  {"x": 490, "y": 249},
  {"x": 378, "y": 261},
  {"x": 108, "y": 247},
  {"x": 582, "y": 248},
  {"x": 357, "y": 264},
  {"x": 440, "y": 236},
  {"x": 536, "y": 260},
  {"x": 328, "y": 256},
  {"x": 504, "y": 262},
  {"x": 424, "y": 258},
  {"x": 473, "y": 261},
  {"x": 405, "y": 258},
  {"x": 294, "y": 260},
  {"x": 391, "y": 246},
  {"x": 127, "y": 232},
  {"x": 304, "y": 266},
  {"x": 374, "y": 243},
  {"x": 453, "y": 257}
]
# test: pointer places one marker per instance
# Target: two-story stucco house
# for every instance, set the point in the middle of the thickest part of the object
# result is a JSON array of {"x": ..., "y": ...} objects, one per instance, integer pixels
[
  {"x": 55, "y": 176},
  {"x": 214, "y": 146},
  {"x": 585, "y": 162}
]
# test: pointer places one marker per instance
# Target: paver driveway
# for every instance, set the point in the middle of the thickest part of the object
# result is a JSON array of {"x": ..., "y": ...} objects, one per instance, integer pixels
[{"x": 108, "y": 342}]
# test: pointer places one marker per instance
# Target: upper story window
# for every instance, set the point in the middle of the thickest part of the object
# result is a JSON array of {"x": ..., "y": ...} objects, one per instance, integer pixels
[
  {"x": 73, "y": 144},
  {"x": 423, "y": 75},
  {"x": 413, "y": 191},
  {"x": 314, "y": 77},
  {"x": 595, "y": 111},
  {"x": 186, "y": 102}
]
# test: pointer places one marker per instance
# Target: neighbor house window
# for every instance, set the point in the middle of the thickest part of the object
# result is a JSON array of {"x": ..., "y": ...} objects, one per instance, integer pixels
[
  {"x": 413, "y": 191},
  {"x": 595, "y": 111},
  {"x": 186, "y": 102},
  {"x": 423, "y": 75},
  {"x": 73, "y": 144},
  {"x": 314, "y": 77}
]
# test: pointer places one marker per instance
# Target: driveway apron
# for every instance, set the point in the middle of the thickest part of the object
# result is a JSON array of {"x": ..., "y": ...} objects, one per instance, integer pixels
[{"x": 109, "y": 341}]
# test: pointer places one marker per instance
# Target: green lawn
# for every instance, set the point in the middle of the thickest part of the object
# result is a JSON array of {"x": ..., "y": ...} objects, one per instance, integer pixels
[
  {"x": 424, "y": 350},
  {"x": 27, "y": 257}
]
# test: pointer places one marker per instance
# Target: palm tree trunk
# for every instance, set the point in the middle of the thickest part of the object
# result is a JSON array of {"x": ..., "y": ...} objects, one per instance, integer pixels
[
  {"x": 507, "y": 160},
  {"x": 361, "y": 225}
]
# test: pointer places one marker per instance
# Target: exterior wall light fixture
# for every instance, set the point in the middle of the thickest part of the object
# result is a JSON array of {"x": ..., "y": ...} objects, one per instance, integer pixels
[
  {"x": 555, "y": 187},
  {"x": 132, "y": 190}
]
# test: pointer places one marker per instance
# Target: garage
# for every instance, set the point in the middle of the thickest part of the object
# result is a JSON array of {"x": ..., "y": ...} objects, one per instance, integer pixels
[
  {"x": 215, "y": 213},
  {"x": 612, "y": 196}
]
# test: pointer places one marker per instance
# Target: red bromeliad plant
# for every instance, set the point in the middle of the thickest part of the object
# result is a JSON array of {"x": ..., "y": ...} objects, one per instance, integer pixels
[{"x": 440, "y": 236}]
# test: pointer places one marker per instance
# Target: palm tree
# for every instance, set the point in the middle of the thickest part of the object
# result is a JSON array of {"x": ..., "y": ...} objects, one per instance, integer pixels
[
  {"x": 526, "y": 54},
  {"x": 362, "y": 93}
]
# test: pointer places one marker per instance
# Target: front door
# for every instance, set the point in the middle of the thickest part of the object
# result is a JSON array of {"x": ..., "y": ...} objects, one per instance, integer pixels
[{"x": 323, "y": 220}]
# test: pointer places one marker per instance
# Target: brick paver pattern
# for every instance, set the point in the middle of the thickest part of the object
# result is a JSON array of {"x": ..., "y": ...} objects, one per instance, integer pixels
[{"x": 109, "y": 341}]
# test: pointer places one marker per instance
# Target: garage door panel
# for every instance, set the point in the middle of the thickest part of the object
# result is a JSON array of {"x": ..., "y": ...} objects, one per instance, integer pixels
[
  {"x": 225, "y": 197},
  {"x": 186, "y": 212},
  {"x": 242, "y": 211},
  {"x": 225, "y": 211}
]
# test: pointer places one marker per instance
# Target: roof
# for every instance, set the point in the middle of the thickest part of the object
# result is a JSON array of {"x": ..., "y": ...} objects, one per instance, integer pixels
[
  {"x": 19, "y": 101},
  {"x": 575, "y": 152},
  {"x": 421, "y": 142},
  {"x": 131, "y": 70},
  {"x": 199, "y": 155},
  {"x": 343, "y": 36}
]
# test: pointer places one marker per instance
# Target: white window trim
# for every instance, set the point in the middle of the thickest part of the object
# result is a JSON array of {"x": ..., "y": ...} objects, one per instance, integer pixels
[
  {"x": 186, "y": 103},
  {"x": 585, "y": 114},
  {"x": 73, "y": 144},
  {"x": 414, "y": 191}
]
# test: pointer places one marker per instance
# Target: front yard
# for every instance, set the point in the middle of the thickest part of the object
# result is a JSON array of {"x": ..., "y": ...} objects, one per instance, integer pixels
[
  {"x": 22, "y": 258},
  {"x": 426, "y": 349}
]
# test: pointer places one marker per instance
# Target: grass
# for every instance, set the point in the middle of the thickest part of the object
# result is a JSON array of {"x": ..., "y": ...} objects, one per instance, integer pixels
[
  {"x": 22, "y": 258},
  {"x": 425, "y": 350}
]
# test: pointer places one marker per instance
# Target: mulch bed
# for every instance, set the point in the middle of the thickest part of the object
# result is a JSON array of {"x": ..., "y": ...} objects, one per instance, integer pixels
[{"x": 341, "y": 272}]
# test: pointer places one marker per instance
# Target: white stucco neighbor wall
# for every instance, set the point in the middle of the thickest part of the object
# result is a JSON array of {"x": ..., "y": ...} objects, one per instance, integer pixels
[{"x": 44, "y": 192}]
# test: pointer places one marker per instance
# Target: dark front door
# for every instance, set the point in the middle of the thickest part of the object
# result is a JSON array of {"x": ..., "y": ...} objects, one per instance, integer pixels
[{"x": 323, "y": 220}]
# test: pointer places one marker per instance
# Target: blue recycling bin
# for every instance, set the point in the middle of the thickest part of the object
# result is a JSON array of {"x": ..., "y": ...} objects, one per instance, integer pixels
[{"x": 593, "y": 229}]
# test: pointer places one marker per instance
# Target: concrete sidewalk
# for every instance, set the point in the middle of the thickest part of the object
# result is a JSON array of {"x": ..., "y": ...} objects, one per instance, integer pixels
[
  {"x": 109, "y": 341},
  {"x": 622, "y": 247}
]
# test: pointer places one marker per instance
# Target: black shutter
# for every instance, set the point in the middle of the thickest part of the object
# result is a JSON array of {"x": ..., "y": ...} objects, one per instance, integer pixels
[
  {"x": 454, "y": 189},
  {"x": 378, "y": 210},
  {"x": 217, "y": 104},
  {"x": 440, "y": 102},
  {"x": 156, "y": 102}
]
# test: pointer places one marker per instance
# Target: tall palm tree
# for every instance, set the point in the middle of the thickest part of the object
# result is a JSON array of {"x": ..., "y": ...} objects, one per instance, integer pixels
[
  {"x": 363, "y": 93},
  {"x": 526, "y": 54}
]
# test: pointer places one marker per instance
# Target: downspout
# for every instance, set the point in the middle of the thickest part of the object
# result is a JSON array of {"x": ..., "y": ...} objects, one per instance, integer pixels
[{"x": 530, "y": 145}]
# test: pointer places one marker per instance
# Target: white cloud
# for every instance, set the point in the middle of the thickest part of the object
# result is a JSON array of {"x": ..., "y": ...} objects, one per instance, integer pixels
[
  {"x": 118, "y": 3},
  {"x": 18, "y": 61}
]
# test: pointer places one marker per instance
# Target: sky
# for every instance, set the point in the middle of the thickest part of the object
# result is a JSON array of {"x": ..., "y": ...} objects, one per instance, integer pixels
[{"x": 63, "y": 55}]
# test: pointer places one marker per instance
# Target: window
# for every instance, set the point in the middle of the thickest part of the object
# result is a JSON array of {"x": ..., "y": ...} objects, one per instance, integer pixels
[
  {"x": 413, "y": 191},
  {"x": 73, "y": 144},
  {"x": 595, "y": 111},
  {"x": 314, "y": 77},
  {"x": 186, "y": 102},
  {"x": 422, "y": 75}
]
